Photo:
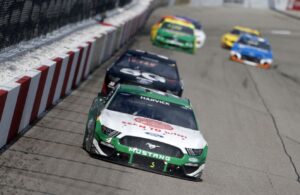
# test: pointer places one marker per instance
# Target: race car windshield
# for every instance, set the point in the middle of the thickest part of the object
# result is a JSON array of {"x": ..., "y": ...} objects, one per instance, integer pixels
[
  {"x": 238, "y": 32},
  {"x": 178, "y": 28},
  {"x": 154, "y": 109},
  {"x": 253, "y": 43},
  {"x": 162, "y": 68}
]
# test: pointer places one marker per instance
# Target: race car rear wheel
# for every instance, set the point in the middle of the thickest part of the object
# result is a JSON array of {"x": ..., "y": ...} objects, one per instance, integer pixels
[
  {"x": 89, "y": 135},
  {"x": 192, "y": 51},
  {"x": 265, "y": 66},
  {"x": 234, "y": 58}
]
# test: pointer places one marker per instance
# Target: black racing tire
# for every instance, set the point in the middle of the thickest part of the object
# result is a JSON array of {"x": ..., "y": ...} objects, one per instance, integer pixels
[
  {"x": 192, "y": 51},
  {"x": 89, "y": 136},
  {"x": 154, "y": 42},
  {"x": 180, "y": 93}
]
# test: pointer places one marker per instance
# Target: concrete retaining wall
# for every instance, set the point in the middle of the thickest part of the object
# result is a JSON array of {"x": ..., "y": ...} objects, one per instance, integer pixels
[
  {"x": 24, "y": 99},
  {"x": 260, "y": 4}
]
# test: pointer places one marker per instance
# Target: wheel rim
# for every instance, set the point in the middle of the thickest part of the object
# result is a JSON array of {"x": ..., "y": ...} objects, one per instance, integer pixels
[
  {"x": 265, "y": 66},
  {"x": 234, "y": 57}
]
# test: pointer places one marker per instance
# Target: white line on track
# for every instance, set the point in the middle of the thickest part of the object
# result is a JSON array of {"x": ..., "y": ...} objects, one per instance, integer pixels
[{"x": 281, "y": 32}]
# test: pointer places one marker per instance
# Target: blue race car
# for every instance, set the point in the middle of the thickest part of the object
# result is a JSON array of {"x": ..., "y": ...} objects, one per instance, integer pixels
[{"x": 252, "y": 50}]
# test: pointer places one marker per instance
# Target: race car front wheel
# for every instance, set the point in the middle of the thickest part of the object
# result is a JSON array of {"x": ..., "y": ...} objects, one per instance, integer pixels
[
  {"x": 89, "y": 135},
  {"x": 234, "y": 57}
]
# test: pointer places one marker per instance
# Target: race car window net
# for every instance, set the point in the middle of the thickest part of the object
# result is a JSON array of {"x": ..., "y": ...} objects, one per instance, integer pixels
[
  {"x": 178, "y": 28},
  {"x": 147, "y": 64},
  {"x": 154, "y": 109},
  {"x": 253, "y": 43}
]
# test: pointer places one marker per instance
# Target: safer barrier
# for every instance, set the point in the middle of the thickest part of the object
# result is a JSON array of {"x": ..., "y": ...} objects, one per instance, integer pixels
[
  {"x": 294, "y": 5},
  {"x": 25, "y": 19},
  {"x": 261, "y": 4},
  {"x": 25, "y": 98}
]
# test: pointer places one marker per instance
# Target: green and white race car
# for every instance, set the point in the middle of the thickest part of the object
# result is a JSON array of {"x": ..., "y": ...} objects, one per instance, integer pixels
[
  {"x": 146, "y": 129},
  {"x": 173, "y": 33}
]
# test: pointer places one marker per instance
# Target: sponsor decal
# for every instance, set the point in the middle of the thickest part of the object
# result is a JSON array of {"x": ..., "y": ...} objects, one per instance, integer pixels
[
  {"x": 108, "y": 140},
  {"x": 154, "y": 123},
  {"x": 152, "y": 165},
  {"x": 194, "y": 160},
  {"x": 144, "y": 61},
  {"x": 162, "y": 132},
  {"x": 152, "y": 146},
  {"x": 191, "y": 164},
  {"x": 154, "y": 134},
  {"x": 149, "y": 154},
  {"x": 155, "y": 100}
]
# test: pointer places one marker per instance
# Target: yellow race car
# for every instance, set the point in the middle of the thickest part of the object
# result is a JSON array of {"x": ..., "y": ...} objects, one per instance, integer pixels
[
  {"x": 230, "y": 38},
  {"x": 170, "y": 32}
]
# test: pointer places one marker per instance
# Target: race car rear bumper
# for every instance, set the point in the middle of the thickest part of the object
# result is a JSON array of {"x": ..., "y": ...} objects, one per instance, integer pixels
[
  {"x": 170, "y": 45},
  {"x": 237, "y": 57},
  {"x": 105, "y": 151}
]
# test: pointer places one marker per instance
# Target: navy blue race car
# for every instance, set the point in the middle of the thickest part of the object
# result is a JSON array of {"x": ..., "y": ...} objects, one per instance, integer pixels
[{"x": 145, "y": 69}]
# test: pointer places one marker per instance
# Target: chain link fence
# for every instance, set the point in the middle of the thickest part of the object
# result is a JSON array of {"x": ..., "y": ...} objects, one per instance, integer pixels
[{"x": 25, "y": 19}]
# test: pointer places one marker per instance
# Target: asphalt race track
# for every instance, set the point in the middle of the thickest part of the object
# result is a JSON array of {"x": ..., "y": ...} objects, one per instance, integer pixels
[{"x": 249, "y": 116}]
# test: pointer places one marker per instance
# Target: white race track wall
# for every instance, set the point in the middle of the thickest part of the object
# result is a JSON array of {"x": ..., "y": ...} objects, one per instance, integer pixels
[
  {"x": 25, "y": 98},
  {"x": 260, "y": 4}
]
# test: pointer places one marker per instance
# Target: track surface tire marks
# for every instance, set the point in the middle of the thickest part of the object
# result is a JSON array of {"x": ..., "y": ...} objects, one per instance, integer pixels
[{"x": 250, "y": 118}]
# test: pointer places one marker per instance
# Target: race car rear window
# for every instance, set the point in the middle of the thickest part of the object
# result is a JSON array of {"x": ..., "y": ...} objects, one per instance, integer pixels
[
  {"x": 178, "y": 28},
  {"x": 235, "y": 32},
  {"x": 154, "y": 109},
  {"x": 162, "y": 68},
  {"x": 254, "y": 43},
  {"x": 238, "y": 32}
]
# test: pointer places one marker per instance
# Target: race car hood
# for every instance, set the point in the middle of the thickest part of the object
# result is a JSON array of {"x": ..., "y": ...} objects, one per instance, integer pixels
[
  {"x": 177, "y": 35},
  {"x": 137, "y": 126}
]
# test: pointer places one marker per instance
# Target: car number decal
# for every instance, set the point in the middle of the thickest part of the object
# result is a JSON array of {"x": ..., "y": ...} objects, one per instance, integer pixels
[{"x": 146, "y": 75}]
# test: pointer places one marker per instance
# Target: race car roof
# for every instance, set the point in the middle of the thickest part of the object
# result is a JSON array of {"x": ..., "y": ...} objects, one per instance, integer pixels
[
  {"x": 138, "y": 90},
  {"x": 152, "y": 55},
  {"x": 179, "y": 22},
  {"x": 254, "y": 38},
  {"x": 247, "y": 30},
  {"x": 196, "y": 23}
]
